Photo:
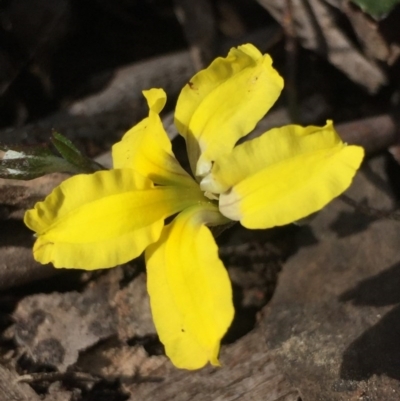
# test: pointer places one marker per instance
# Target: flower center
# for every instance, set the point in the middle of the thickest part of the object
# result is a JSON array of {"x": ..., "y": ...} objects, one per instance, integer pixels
[{"x": 211, "y": 195}]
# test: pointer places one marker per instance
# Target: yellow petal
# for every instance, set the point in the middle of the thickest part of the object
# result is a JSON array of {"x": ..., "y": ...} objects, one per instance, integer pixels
[
  {"x": 103, "y": 219},
  {"x": 284, "y": 175},
  {"x": 224, "y": 102},
  {"x": 147, "y": 149},
  {"x": 190, "y": 291},
  {"x": 156, "y": 99},
  {"x": 274, "y": 146}
]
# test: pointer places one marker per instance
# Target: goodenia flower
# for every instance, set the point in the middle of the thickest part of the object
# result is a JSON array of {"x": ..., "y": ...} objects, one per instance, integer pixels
[{"x": 107, "y": 218}]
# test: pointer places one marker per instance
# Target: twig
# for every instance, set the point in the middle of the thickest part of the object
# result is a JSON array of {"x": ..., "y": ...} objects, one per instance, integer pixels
[
  {"x": 57, "y": 376},
  {"x": 317, "y": 29},
  {"x": 198, "y": 21},
  {"x": 374, "y": 133},
  {"x": 291, "y": 49},
  {"x": 51, "y": 377}
]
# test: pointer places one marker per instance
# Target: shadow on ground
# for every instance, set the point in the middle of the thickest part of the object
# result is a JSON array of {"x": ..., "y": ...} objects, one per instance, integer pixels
[{"x": 377, "y": 350}]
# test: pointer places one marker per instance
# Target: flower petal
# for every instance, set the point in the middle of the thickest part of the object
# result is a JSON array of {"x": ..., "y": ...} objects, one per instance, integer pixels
[
  {"x": 103, "y": 219},
  {"x": 147, "y": 149},
  {"x": 284, "y": 175},
  {"x": 224, "y": 102},
  {"x": 190, "y": 291}
]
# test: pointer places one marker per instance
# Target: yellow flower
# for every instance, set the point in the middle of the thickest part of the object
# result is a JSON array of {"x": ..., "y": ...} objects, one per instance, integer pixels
[{"x": 107, "y": 218}]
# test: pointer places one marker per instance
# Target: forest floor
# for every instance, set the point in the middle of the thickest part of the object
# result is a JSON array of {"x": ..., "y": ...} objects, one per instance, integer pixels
[{"x": 317, "y": 304}]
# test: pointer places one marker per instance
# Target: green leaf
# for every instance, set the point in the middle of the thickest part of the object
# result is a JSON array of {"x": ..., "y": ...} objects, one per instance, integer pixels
[
  {"x": 377, "y": 8},
  {"x": 28, "y": 162},
  {"x": 70, "y": 153}
]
